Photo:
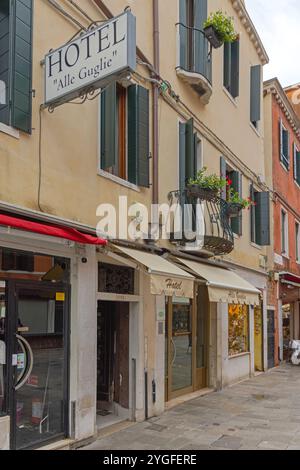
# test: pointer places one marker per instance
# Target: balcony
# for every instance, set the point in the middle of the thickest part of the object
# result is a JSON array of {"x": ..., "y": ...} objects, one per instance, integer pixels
[
  {"x": 195, "y": 64},
  {"x": 200, "y": 225}
]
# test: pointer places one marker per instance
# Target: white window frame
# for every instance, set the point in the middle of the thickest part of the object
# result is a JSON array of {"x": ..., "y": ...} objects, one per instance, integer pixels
[
  {"x": 284, "y": 227},
  {"x": 285, "y": 160}
]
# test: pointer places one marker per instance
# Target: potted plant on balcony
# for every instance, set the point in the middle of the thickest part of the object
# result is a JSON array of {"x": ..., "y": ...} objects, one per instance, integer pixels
[
  {"x": 205, "y": 187},
  {"x": 219, "y": 28},
  {"x": 235, "y": 203}
]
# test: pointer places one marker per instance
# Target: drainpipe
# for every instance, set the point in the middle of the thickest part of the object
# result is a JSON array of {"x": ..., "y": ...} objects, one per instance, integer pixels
[{"x": 155, "y": 101}]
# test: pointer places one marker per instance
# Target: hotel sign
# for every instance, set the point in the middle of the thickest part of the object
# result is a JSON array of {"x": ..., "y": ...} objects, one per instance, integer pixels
[{"x": 91, "y": 61}]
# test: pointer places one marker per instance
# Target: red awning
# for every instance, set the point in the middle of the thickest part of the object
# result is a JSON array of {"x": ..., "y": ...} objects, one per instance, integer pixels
[
  {"x": 289, "y": 277},
  {"x": 51, "y": 230}
]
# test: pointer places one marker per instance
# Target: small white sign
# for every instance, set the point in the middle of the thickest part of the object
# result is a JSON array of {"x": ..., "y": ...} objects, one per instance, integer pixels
[{"x": 92, "y": 60}]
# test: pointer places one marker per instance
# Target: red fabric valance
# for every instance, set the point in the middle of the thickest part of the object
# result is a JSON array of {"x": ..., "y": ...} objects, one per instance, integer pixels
[{"x": 51, "y": 230}]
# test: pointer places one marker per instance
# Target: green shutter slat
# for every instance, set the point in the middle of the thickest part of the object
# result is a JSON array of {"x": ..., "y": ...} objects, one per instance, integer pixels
[
  {"x": 21, "y": 68},
  {"x": 200, "y": 43},
  {"x": 182, "y": 148},
  {"x": 255, "y": 100},
  {"x": 235, "y": 69},
  {"x": 183, "y": 34},
  {"x": 237, "y": 222},
  {"x": 223, "y": 168},
  {"x": 138, "y": 136},
  {"x": 4, "y": 58},
  {"x": 189, "y": 150},
  {"x": 262, "y": 218},
  {"x": 108, "y": 127},
  {"x": 252, "y": 215}
]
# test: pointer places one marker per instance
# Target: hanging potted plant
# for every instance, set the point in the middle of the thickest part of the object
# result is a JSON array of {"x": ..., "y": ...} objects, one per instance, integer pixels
[
  {"x": 205, "y": 187},
  {"x": 219, "y": 28},
  {"x": 235, "y": 203}
]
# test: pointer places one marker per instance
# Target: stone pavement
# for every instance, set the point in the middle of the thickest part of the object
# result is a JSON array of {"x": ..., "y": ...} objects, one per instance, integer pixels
[{"x": 261, "y": 413}]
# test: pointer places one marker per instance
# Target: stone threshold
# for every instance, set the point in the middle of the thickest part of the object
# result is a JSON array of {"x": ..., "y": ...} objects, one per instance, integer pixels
[{"x": 190, "y": 396}]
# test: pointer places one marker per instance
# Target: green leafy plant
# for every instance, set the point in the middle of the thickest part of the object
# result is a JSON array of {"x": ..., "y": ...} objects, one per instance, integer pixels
[
  {"x": 233, "y": 197},
  {"x": 212, "y": 182},
  {"x": 223, "y": 26}
]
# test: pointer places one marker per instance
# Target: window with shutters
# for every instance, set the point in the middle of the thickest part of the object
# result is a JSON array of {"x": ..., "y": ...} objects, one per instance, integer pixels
[
  {"x": 232, "y": 67},
  {"x": 16, "y": 63},
  {"x": 234, "y": 182},
  {"x": 297, "y": 240},
  {"x": 260, "y": 217},
  {"x": 284, "y": 233},
  {"x": 284, "y": 138},
  {"x": 124, "y": 133},
  {"x": 296, "y": 164}
]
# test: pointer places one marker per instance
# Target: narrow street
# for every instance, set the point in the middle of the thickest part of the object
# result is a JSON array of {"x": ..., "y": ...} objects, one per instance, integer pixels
[{"x": 262, "y": 413}]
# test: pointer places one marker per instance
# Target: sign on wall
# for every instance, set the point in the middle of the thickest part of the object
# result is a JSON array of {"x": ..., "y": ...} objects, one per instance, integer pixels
[{"x": 92, "y": 60}]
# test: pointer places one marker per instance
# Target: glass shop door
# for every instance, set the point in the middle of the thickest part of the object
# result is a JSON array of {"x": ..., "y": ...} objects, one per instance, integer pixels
[{"x": 38, "y": 362}]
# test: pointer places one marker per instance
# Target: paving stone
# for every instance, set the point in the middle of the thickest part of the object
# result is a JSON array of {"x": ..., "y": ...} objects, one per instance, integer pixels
[{"x": 228, "y": 442}]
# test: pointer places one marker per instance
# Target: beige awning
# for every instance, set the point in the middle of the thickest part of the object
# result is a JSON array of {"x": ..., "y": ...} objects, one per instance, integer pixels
[
  {"x": 224, "y": 285},
  {"x": 165, "y": 277}
]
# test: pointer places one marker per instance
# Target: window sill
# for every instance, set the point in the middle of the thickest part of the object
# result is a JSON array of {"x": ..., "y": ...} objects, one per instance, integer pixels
[
  {"x": 119, "y": 181},
  {"x": 9, "y": 130},
  {"x": 255, "y": 130},
  {"x": 258, "y": 247},
  {"x": 239, "y": 355},
  {"x": 230, "y": 97},
  {"x": 287, "y": 170}
]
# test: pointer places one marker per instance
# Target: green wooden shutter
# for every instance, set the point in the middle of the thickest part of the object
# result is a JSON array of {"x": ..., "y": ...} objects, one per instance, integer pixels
[
  {"x": 235, "y": 69},
  {"x": 190, "y": 169},
  {"x": 286, "y": 147},
  {"x": 182, "y": 150},
  {"x": 237, "y": 222},
  {"x": 138, "y": 135},
  {"x": 280, "y": 140},
  {"x": 183, "y": 35},
  {"x": 297, "y": 166},
  {"x": 252, "y": 215},
  {"x": 262, "y": 218},
  {"x": 21, "y": 67},
  {"x": 4, "y": 61},
  {"x": 108, "y": 127},
  {"x": 255, "y": 100},
  {"x": 295, "y": 162},
  {"x": 227, "y": 66},
  {"x": 200, "y": 43},
  {"x": 223, "y": 168}
]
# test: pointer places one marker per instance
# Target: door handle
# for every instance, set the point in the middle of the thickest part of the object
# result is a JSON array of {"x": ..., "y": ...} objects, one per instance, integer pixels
[{"x": 25, "y": 346}]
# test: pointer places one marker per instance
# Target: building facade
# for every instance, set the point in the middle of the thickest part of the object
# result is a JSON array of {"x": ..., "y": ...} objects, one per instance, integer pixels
[
  {"x": 110, "y": 326},
  {"x": 283, "y": 160}
]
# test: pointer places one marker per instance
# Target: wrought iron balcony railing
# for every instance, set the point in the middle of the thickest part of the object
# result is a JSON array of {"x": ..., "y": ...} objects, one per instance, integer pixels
[
  {"x": 195, "y": 64},
  {"x": 200, "y": 223}
]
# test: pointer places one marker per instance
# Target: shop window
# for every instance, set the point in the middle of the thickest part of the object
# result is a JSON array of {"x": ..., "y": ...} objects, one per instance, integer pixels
[
  {"x": 17, "y": 261},
  {"x": 238, "y": 329},
  {"x": 115, "y": 279}
]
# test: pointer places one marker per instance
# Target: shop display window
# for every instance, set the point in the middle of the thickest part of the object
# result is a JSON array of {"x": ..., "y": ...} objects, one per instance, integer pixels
[{"x": 238, "y": 329}]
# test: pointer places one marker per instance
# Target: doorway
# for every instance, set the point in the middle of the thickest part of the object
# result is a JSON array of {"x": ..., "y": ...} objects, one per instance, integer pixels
[
  {"x": 38, "y": 371},
  {"x": 186, "y": 344},
  {"x": 258, "y": 338},
  {"x": 112, "y": 362},
  {"x": 271, "y": 339}
]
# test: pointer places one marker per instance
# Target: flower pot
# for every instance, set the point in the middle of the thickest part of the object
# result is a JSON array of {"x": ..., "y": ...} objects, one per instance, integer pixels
[
  {"x": 213, "y": 37},
  {"x": 234, "y": 209},
  {"x": 205, "y": 194}
]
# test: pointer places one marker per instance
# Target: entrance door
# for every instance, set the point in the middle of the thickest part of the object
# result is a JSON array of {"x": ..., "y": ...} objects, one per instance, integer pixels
[
  {"x": 38, "y": 371},
  {"x": 258, "y": 339},
  {"x": 180, "y": 348},
  {"x": 271, "y": 339}
]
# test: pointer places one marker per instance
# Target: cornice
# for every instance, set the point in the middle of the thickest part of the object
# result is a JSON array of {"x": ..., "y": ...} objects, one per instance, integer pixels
[
  {"x": 273, "y": 87},
  {"x": 245, "y": 19}
]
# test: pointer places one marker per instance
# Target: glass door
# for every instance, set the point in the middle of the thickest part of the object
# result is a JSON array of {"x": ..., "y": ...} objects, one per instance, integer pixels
[
  {"x": 180, "y": 347},
  {"x": 39, "y": 367}
]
